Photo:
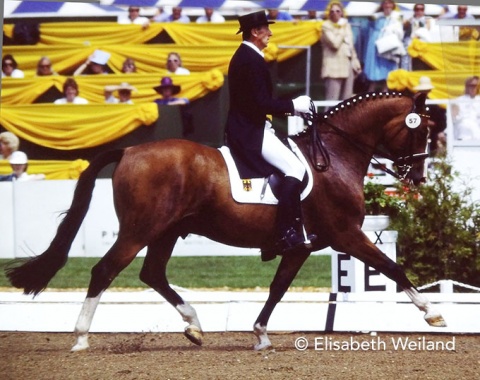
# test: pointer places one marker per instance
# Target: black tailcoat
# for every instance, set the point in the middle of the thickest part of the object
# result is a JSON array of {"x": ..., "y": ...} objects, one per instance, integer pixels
[{"x": 251, "y": 100}]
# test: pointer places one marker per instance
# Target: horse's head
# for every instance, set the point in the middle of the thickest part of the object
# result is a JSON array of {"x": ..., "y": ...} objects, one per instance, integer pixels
[{"x": 406, "y": 140}]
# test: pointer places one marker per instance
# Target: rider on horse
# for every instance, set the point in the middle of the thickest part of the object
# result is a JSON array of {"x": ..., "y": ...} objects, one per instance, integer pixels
[{"x": 249, "y": 134}]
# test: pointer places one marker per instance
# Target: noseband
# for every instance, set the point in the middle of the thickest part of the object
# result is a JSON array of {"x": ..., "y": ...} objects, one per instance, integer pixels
[{"x": 319, "y": 155}]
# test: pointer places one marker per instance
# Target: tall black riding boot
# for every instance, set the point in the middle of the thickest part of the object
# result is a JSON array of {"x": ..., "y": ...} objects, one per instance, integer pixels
[{"x": 289, "y": 221}]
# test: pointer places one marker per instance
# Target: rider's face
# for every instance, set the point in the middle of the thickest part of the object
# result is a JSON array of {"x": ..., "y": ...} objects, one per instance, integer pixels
[{"x": 261, "y": 36}]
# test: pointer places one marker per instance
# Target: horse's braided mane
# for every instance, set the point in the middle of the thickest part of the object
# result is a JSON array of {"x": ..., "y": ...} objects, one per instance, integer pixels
[{"x": 354, "y": 101}]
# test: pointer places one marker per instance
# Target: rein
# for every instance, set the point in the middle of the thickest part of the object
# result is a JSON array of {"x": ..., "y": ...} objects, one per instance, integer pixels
[{"x": 319, "y": 154}]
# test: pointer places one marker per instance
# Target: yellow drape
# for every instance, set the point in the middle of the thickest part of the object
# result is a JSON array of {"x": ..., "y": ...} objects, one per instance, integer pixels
[
  {"x": 445, "y": 86},
  {"x": 194, "y": 86},
  {"x": 149, "y": 59},
  {"x": 99, "y": 33},
  {"x": 450, "y": 57},
  {"x": 53, "y": 169},
  {"x": 202, "y": 46},
  {"x": 68, "y": 127}
]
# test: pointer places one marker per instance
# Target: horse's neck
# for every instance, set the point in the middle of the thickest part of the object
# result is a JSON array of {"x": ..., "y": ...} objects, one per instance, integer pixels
[{"x": 355, "y": 127}]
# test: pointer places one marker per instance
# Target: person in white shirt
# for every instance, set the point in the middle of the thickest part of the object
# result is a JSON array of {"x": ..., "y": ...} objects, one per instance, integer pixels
[
  {"x": 10, "y": 67},
  {"x": 466, "y": 112},
  {"x": 124, "y": 93},
  {"x": 133, "y": 17},
  {"x": 19, "y": 163},
  {"x": 210, "y": 16},
  {"x": 70, "y": 92},
  {"x": 174, "y": 64}
]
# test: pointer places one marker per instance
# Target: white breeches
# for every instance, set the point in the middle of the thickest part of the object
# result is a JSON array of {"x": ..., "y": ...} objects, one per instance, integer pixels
[{"x": 278, "y": 155}]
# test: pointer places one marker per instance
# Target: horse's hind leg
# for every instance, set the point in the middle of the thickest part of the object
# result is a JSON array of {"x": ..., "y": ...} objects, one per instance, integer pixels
[
  {"x": 154, "y": 275},
  {"x": 104, "y": 272},
  {"x": 286, "y": 272}
]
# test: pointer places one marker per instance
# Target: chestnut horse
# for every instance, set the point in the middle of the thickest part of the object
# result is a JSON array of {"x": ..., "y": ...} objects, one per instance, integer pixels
[{"x": 167, "y": 189}]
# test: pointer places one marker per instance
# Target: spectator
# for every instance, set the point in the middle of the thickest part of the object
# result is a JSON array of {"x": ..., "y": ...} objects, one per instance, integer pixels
[
  {"x": 378, "y": 66},
  {"x": 161, "y": 15},
  {"x": 19, "y": 163},
  {"x": 437, "y": 122},
  {"x": 134, "y": 17},
  {"x": 44, "y": 67},
  {"x": 9, "y": 143},
  {"x": 276, "y": 15},
  {"x": 417, "y": 26},
  {"x": 70, "y": 93},
  {"x": 177, "y": 16},
  {"x": 466, "y": 112},
  {"x": 124, "y": 93},
  {"x": 210, "y": 16},
  {"x": 167, "y": 89},
  {"x": 95, "y": 64},
  {"x": 312, "y": 15},
  {"x": 10, "y": 67},
  {"x": 339, "y": 62},
  {"x": 461, "y": 13},
  {"x": 129, "y": 66},
  {"x": 174, "y": 64}
]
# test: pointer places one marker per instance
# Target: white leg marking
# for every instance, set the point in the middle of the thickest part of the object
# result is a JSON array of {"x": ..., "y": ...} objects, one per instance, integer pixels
[
  {"x": 84, "y": 322},
  {"x": 263, "y": 340},
  {"x": 193, "y": 331},
  {"x": 188, "y": 314},
  {"x": 432, "y": 316}
]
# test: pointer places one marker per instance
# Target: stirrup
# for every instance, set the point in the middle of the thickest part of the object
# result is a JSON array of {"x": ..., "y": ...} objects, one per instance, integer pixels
[{"x": 293, "y": 240}]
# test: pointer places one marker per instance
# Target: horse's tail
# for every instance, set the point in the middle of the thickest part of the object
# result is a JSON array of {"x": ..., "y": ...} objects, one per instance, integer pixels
[{"x": 34, "y": 274}]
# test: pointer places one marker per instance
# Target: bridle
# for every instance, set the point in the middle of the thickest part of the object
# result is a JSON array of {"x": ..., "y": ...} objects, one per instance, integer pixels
[{"x": 320, "y": 157}]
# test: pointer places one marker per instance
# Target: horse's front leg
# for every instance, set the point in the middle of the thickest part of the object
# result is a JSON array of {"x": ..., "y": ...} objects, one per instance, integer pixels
[
  {"x": 286, "y": 272},
  {"x": 432, "y": 315},
  {"x": 359, "y": 245}
]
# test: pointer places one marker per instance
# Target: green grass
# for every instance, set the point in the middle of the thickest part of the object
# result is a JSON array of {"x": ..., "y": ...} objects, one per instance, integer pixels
[{"x": 240, "y": 272}]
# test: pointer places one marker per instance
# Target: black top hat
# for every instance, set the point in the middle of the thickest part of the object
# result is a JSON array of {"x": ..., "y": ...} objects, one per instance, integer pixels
[
  {"x": 252, "y": 20},
  {"x": 165, "y": 83}
]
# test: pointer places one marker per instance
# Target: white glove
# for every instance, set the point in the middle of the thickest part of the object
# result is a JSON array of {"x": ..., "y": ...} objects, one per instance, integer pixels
[{"x": 301, "y": 105}]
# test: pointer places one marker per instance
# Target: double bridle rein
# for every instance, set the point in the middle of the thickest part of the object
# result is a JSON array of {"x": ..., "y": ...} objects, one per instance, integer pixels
[{"x": 320, "y": 157}]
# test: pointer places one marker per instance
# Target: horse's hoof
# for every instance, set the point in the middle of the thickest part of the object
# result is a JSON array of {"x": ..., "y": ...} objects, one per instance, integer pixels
[
  {"x": 194, "y": 335},
  {"x": 262, "y": 346},
  {"x": 82, "y": 344},
  {"x": 435, "y": 320}
]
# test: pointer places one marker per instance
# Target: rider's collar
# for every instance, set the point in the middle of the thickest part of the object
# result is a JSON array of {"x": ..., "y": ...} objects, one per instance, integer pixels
[{"x": 248, "y": 43}]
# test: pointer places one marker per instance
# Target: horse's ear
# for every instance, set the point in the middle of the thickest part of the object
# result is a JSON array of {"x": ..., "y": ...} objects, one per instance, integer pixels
[{"x": 419, "y": 99}]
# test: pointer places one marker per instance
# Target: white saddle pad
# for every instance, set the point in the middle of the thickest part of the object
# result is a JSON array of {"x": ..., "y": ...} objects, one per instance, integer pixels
[{"x": 250, "y": 191}]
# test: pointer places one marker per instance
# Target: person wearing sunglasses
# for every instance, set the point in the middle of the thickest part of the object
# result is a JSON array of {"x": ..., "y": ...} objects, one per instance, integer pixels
[
  {"x": 174, "y": 64},
  {"x": 417, "y": 26},
  {"x": 10, "y": 67},
  {"x": 44, "y": 67},
  {"x": 340, "y": 63}
]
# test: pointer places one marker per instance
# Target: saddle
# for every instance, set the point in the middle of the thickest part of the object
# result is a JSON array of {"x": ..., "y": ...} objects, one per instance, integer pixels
[{"x": 262, "y": 190}]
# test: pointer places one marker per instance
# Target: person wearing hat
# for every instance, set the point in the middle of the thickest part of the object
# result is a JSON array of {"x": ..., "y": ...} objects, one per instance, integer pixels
[
  {"x": 19, "y": 163},
  {"x": 124, "y": 93},
  {"x": 256, "y": 149},
  {"x": 95, "y": 64},
  {"x": 437, "y": 122},
  {"x": 167, "y": 89},
  {"x": 9, "y": 143}
]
